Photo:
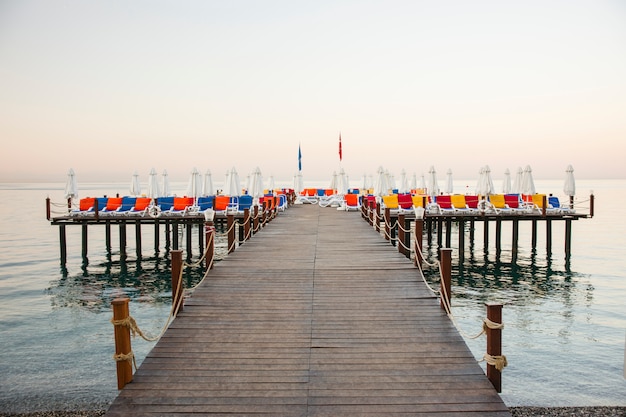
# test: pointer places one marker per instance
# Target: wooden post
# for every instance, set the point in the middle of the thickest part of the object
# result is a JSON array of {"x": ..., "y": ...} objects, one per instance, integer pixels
[
  {"x": 377, "y": 217},
  {"x": 533, "y": 234},
  {"x": 401, "y": 234},
  {"x": 122, "y": 342},
  {"x": 419, "y": 241},
  {"x": 486, "y": 235},
  {"x": 188, "y": 240},
  {"x": 156, "y": 236},
  {"x": 123, "y": 238},
  {"x": 63, "y": 244},
  {"x": 544, "y": 205},
  {"x": 515, "y": 239},
  {"x": 138, "y": 238},
  {"x": 549, "y": 237},
  {"x": 387, "y": 223},
  {"x": 591, "y": 205},
  {"x": 48, "y": 208},
  {"x": 568, "y": 238},
  {"x": 201, "y": 238},
  {"x": 246, "y": 224},
  {"x": 174, "y": 235},
  {"x": 84, "y": 239},
  {"x": 439, "y": 232},
  {"x": 231, "y": 232},
  {"x": 107, "y": 235},
  {"x": 498, "y": 237},
  {"x": 168, "y": 239},
  {"x": 445, "y": 258},
  {"x": 461, "y": 240},
  {"x": 448, "y": 232},
  {"x": 494, "y": 344},
  {"x": 210, "y": 243},
  {"x": 177, "y": 282},
  {"x": 240, "y": 232},
  {"x": 96, "y": 210},
  {"x": 255, "y": 221}
]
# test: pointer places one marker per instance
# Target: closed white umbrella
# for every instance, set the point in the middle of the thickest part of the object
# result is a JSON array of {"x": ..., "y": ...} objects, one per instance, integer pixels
[
  {"x": 232, "y": 186},
  {"x": 298, "y": 183},
  {"x": 413, "y": 181},
  {"x": 342, "y": 183},
  {"x": 569, "y": 188},
  {"x": 423, "y": 182},
  {"x": 506, "y": 183},
  {"x": 135, "y": 185},
  {"x": 333, "y": 181},
  {"x": 271, "y": 185},
  {"x": 404, "y": 183},
  {"x": 528, "y": 185},
  {"x": 166, "y": 190},
  {"x": 153, "y": 184},
  {"x": 433, "y": 187},
  {"x": 256, "y": 183},
  {"x": 449, "y": 182},
  {"x": 517, "y": 182},
  {"x": 381, "y": 187},
  {"x": 71, "y": 187},
  {"x": 194, "y": 187},
  {"x": 207, "y": 184},
  {"x": 485, "y": 183}
]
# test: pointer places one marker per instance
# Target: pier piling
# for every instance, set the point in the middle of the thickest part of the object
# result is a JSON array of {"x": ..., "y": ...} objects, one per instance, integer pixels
[{"x": 123, "y": 351}]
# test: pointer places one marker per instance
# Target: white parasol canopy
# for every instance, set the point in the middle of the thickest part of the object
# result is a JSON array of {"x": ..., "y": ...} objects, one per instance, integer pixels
[
  {"x": 422, "y": 182},
  {"x": 485, "y": 183},
  {"x": 298, "y": 183},
  {"x": 404, "y": 183},
  {"x": 413, "y": 181},
  {"x": 153, "y": 184},
  {"x": 342, "y": 183},
  {"x": 569, "y": 188},
  {"x": 71, "y": 188},
  {"x": 528, "y": 185},
  {"x": 232, "y": 186},
  {"x": 433, "y": 187},
  {"x": 256, "y": 183},
  {"x": 207, "y": 184},
  {"x": 333, "y": 181},
  {"x": 449, "y": 182},
  {"x": 194, "y": 187},
  {"x": 381, "y": 187},
  {"x": 506, "y": 183},
  {"x": 166, "y": 191},
  {"x": 517, "y": 182},
  {"x": 135, "y": 185},
  {"x": 271, "y": 184}
]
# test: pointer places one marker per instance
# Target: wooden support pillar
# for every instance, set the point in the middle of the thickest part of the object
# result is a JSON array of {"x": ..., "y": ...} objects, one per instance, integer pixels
[
  {"x": 439, "y": 232},
  {"x": 591, "y": 205},
  {"x": 448, "y": 232},
  {"x": 407, "y": 238},
  {"x": 498, "y": 236},
  {"x": 123, "y": 238},
  {"x": 177, "y": 282},
  {"x": 401, "y": 238},
  {"x": 494, "y": 344},
  {"x": 107, "y": 235},
  {"x": 387, "y": 223},
  {"x": 472, "y": 229},
  {"x": 549, "y": 237},
  {"x": 63, "y": 244},
  {"x": 168, "y": 239},
  {"x": 568, "y": 238},
  {"x": 175, "y": 236},
  {"x": 393, "y": 228},
  {"x": 486, "y": 234},
  {"x": 201, "y": 238},
  {"x": 48, "y": 211},
  {"x": 188, "y": 228},
  {"x": 84, "y": 239},
  {"x": 255, "y": 221},
  {"x": 377, "y": 221},
  {"x": 156, "y": 236},
  {"x": 231, "y": 232},
  {"x": 246, "y": 224},
  {"x": 533, "y": 234},
  {"x": 515, "y": 240},
  {"x": 240, "y": 232},
  {"x": 445, "y": 258},
  {"x": 138, "y": 238},
  {"x": 419, "y": 241},
  {"x": 461, "y": 240},
  {"x": 210, "y": 244},
  {"x": 123, "y": 350},
  {"x": 429, "y": 231}
]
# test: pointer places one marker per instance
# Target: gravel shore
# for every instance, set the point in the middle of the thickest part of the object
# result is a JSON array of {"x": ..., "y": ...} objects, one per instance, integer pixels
[{"x": 515, "y": 411}]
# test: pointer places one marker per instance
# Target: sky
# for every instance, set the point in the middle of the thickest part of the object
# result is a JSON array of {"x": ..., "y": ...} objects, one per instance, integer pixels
[{"x": 110, "y": 87}]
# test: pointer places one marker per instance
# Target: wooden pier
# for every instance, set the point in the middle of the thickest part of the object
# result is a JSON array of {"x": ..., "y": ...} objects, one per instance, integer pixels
[{"x": 315, "y": 316}]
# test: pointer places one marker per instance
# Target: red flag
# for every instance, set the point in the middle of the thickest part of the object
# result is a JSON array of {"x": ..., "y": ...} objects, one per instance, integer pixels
[{"x": 340, "y": 156}]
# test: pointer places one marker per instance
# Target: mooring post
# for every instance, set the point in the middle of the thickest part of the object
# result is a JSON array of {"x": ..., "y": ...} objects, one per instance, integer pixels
[
  {"x": 445, "y": 259},
  {"x": 401, "y": 242},
  {"x": 48, "y": 208},
  {"x": 246, "y": 224},
  {"x": 210, "y": 244},
  {"x": 177, "y": 282},
  {"x": 494, "y": 344},
  {"x": 377, "y": 217},
  {"x": 591, "y": 205},
  {"x": 387, "y": 223},
  {"x": 255, "y": 220},
  {"x": 63, "y": 244},
  {"x": 419, "y": 241},
  {"x": 230, "y": 224},
  {"x": 123, "y": 351}
]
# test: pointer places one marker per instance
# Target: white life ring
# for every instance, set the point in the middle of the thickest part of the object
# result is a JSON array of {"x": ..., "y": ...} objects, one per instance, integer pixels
[{"x": 154, "y": 211}]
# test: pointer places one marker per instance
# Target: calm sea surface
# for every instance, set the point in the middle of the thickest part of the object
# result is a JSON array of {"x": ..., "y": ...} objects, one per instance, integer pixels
[{"x": 565, "y": 320}]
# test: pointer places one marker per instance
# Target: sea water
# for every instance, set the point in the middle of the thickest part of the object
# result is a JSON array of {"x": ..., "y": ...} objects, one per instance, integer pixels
[{"x": 565, "y": 319}]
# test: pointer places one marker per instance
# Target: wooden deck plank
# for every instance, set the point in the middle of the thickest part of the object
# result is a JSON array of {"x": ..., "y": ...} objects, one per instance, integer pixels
[{"x": 317, "y": 315}]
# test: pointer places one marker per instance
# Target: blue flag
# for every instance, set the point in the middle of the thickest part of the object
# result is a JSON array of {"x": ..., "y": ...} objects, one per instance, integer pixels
[{"x": 299, "y": 158}]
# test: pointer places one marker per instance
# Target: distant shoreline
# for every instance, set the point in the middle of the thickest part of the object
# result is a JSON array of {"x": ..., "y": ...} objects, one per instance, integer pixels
[{"x": 600, "y": 411}]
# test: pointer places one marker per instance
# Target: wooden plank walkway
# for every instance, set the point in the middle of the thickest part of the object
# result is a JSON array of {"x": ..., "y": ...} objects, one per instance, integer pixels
[{"x": 316, "y": 315}]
